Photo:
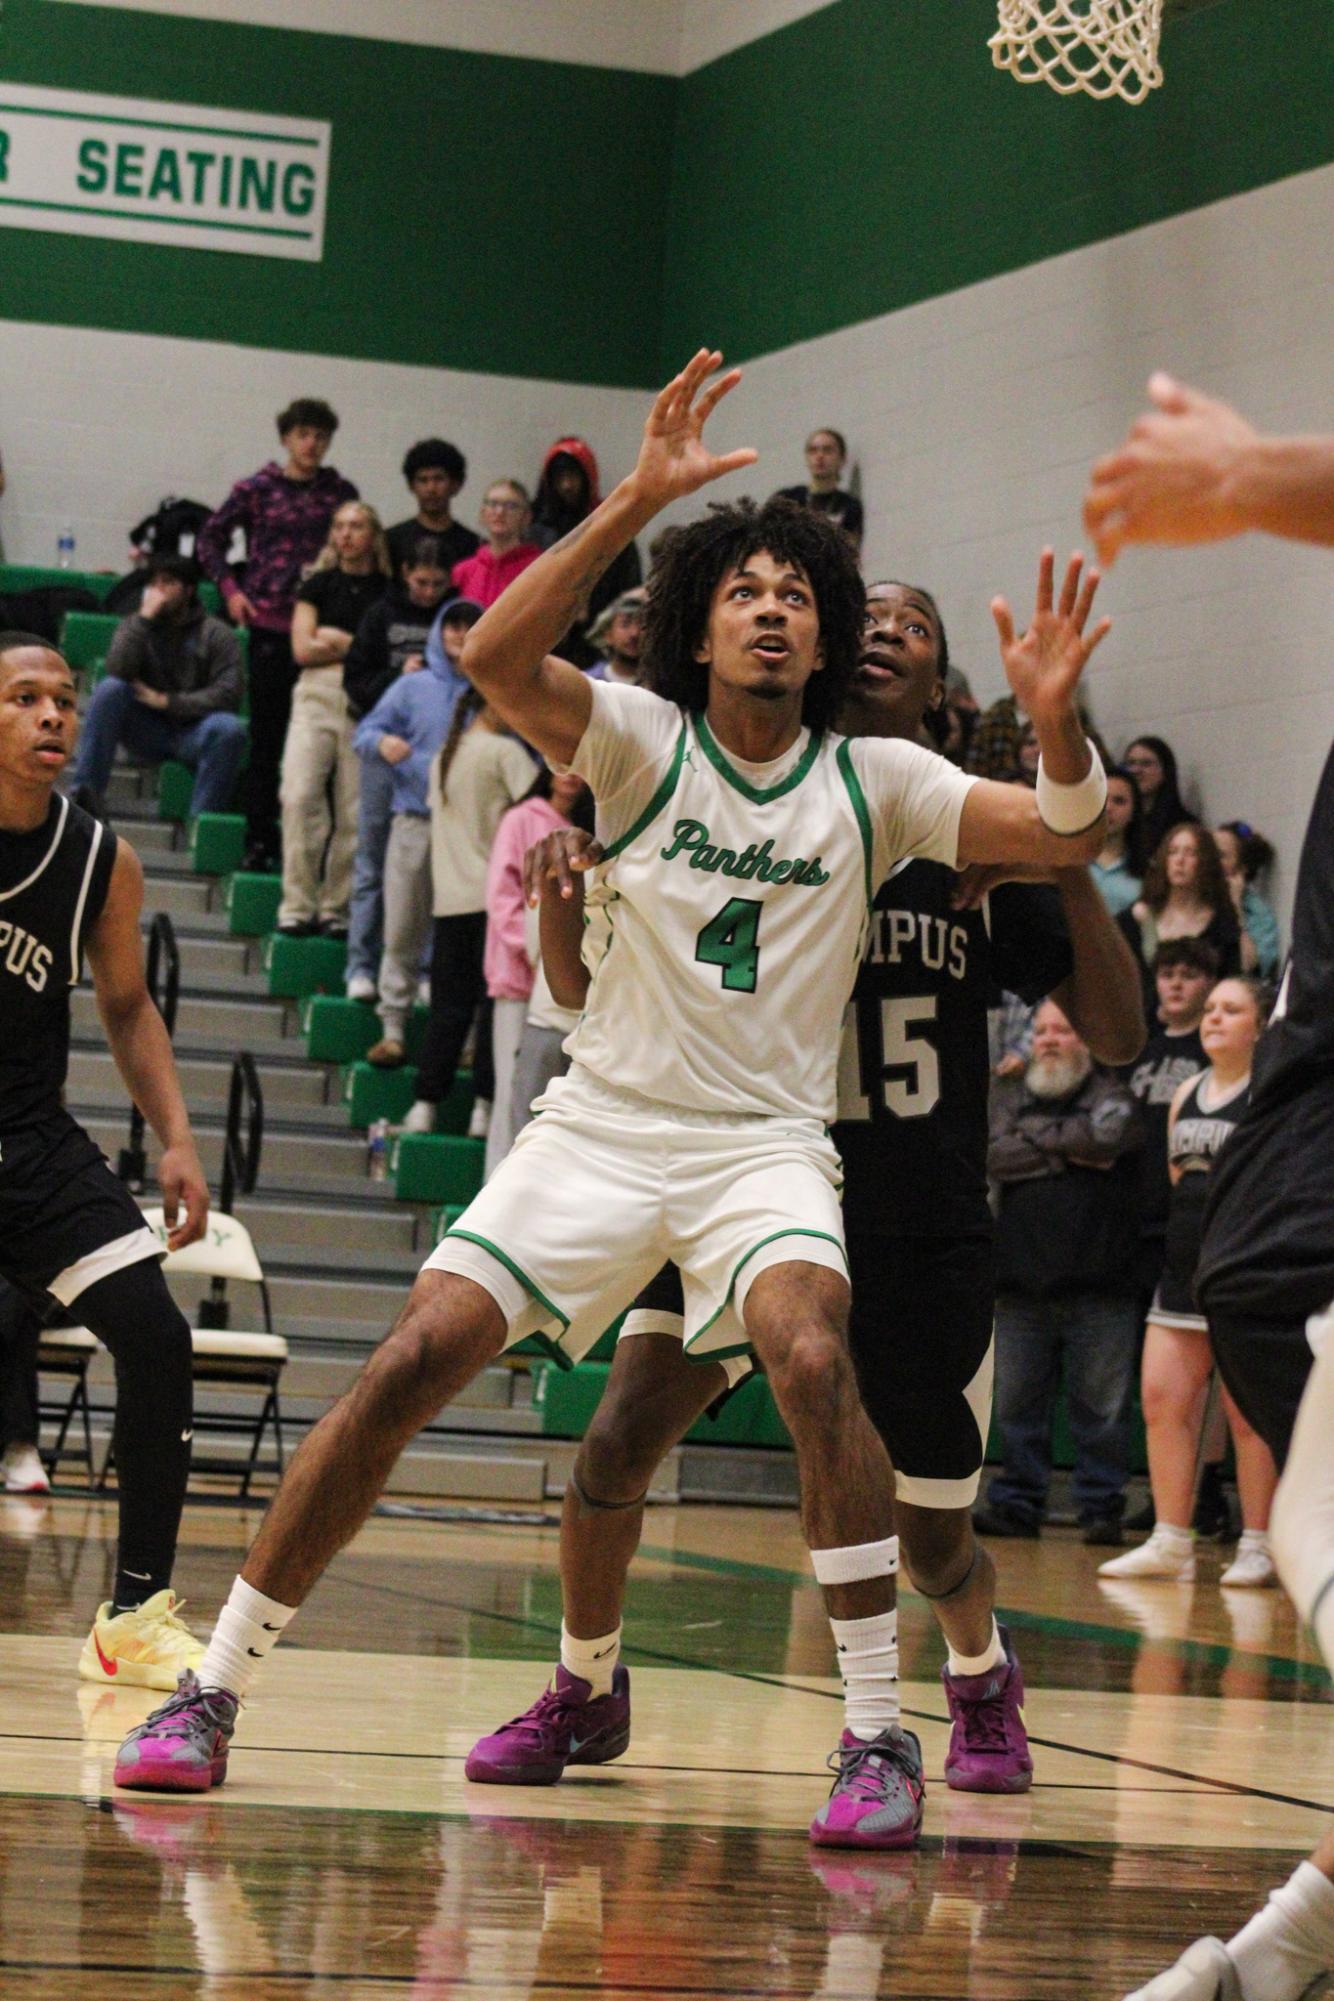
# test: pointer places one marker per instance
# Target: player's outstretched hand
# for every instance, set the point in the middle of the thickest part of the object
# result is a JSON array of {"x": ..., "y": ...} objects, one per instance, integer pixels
[
  {"x": 556, "y": 859},
  {"x": 1169, "y": 482},
  {"x": 183, "y": 1185},
  {"x": 674, "y": 459},
  {"x": 1043, "y": 664}
]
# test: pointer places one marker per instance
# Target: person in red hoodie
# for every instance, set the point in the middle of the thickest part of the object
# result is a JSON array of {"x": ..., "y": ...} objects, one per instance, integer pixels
[
  {"x": 567, "y": 492},
  {"x": 506, "y": 514}
]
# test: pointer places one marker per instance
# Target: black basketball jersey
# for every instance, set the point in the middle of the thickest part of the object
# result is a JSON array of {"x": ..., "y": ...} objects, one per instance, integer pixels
[
  {"x": 1162, "y": 1068},
  {"x": 1269, "y": 1236},
  {"x": 53, "y": 885},
  {"x": 914, "y": 1069},
  {"x": 1201, "y": 1128}
]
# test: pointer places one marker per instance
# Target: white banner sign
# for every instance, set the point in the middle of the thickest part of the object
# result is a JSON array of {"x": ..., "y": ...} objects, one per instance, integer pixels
[{"x": 162, "y": 173}]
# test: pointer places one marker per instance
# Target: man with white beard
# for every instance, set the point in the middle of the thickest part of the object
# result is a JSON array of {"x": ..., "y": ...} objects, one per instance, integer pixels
[{"x": 1061, "y": 1138}]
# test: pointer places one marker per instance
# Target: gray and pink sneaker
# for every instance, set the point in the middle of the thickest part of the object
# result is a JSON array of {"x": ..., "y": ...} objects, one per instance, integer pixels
[
  {"x": 988, "y": 1750},
  {"x": 567, "y": 1725},
  {"x": 876, "y": 1798},
  {"x": 182, "y": 1746}
]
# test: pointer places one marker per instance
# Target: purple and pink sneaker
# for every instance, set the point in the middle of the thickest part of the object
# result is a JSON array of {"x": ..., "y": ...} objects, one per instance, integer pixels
[
  {"x": 567, "y": 1725},
  {"x": 988, "y": 1745},
  {"x": 877, "y": 1794},
  {"x": 182, "y": 1746}
]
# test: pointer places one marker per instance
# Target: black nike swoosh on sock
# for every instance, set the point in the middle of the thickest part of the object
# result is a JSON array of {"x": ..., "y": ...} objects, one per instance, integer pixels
[
  {"x": 271, "y": 1629},
  {"x": 254, "y": 1653}
]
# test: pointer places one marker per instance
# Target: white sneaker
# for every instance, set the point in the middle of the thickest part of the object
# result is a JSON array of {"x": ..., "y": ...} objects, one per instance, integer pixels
[
  {"x": 1158, "y": 1557},
  {"x": 361, "y": 987},
  {"x": 23, "y": 1470},
  {"x": 419, "y": 1118},
  {"x": 1203, "y": 1973},
  {"x": 423, "y": 992},
  {"x": 479, "y": 1124},
  {"x": 1252, "y": 1568}
]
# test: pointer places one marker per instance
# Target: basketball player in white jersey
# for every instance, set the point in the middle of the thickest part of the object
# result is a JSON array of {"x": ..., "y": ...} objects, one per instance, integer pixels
[
  {"x": 1193, "y": 470},
  {"x": 742, "y": 845}
]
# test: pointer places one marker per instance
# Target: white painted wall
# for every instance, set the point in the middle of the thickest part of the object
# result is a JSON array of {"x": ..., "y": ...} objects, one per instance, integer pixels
[
  {"x": 96, "y": 427},
  {"x": 974, "y": 419},
  {"x": 666, "y": 36}
]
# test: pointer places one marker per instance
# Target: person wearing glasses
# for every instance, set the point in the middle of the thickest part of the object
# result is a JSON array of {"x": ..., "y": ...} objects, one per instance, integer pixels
[{"x": 506, "y": 515}]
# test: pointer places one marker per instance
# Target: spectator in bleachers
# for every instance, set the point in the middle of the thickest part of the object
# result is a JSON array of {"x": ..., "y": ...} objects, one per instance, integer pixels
[
  {"x": 567, "y": 492},
  {"x": 994, "y": 746},
  {"x": 1246, "y": 856},
  {"x": 826, "y": 456},
  {"x": 283, "y": 512},
  {"x": 435, "y": 472},
  {"x": 1152, "y": 764},
  {"x": 480, "y": 771},
  {"x": 1061, "y": 1140},
  {"x": 1119, "y": 869},
  {"x": 1183, "y": 973},
  {"x": 174, "y": 683},
  {"x": 405, "y": 729},
  {"x": 508, "y": 548},
  {"x": 550, "y": 803},
  {"x": 391, "y": 640},
  {"x": 319, "y": 769},
  {"x": 617, "y": 633},
  {"x": 1185, "y": 895}
]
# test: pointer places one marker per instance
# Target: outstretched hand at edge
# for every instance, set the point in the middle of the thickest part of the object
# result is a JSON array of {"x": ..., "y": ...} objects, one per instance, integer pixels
[
  {"x": 1044, "y": 663},
  {"x": 674, "y": 459}
]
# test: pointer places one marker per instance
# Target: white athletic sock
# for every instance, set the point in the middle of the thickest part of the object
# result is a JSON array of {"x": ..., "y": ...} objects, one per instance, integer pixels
[
  {"x": 594, "y": 1661},
  {"x": 249, "y": 1628},
  {"x": 868, "y": 1660},
  {"x": 994, "y": 1656},
  {"x": 1280, "y": 1952}
]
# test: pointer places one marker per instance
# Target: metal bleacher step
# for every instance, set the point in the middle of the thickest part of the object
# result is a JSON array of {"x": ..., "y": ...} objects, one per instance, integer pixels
[
  {"x": 94, "y": 1081},
  {"x": 236, "y": 1022},
  {"x": 288, "y": 1155},
  {"x": 294, "y": 1225}
]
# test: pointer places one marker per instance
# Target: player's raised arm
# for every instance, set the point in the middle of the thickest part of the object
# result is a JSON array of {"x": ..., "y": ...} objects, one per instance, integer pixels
[
  {"x": 142, "y": 1048},
  {"x": 1193, "y": 470},
  {"x": 1062, "y": 822},
  {"x": 507, "y": 654}
]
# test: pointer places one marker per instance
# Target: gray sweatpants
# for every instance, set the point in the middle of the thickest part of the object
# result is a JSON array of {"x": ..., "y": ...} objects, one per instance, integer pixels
[{"x": 407, "y": 918}]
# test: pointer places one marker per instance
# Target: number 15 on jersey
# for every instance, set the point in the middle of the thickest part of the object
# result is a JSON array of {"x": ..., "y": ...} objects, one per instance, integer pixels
[{"x": 903, "y": 1075}]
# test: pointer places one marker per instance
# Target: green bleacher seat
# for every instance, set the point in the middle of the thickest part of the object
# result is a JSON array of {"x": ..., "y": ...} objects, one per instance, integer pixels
[
  {"x": 444, "y": 1218},
  {"x": 252, "y": 903},
  {"x": 372, "y": 1094},
  {"x": 175, "y": 789},
  {"x": 85, "y": 637},
  {"x": 567, "y": 1398},
  {"x": 436, "y": 1167},
  {"x": 300, "y": 966},
  {"x": 338, "y": 1030},
  {"x": 217, "y": 843},
  {"x": 15, "y": 577}
]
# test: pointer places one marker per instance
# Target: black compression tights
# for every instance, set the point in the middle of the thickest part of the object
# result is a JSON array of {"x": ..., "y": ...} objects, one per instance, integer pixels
[{"x": 136, "y": 1319}]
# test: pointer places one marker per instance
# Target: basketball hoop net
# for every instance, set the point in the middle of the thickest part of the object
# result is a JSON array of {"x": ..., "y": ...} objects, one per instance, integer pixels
[{"x": 1107, "y": 48}]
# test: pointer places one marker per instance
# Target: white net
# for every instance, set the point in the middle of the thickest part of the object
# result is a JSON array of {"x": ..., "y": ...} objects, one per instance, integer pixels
[{"x": 1108, "y": 48}]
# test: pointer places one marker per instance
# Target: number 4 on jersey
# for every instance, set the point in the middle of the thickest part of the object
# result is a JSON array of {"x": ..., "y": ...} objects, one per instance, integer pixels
[{"x": 731, "y": 940}]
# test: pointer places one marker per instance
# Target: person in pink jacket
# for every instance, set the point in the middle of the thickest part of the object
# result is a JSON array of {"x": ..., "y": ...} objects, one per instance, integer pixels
[
  {"x": 508, "y": 549},
  {"x": 556, "y": 800}
]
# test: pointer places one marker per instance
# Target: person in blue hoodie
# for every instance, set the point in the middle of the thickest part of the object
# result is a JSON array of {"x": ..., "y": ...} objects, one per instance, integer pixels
[{"x": 405, "y": 729}]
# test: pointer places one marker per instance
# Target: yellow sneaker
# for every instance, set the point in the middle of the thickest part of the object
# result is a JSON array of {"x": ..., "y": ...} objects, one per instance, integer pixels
[{"x": 147, "y": 1648}]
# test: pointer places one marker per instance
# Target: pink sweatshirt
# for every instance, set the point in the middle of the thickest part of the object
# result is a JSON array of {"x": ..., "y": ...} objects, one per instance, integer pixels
[{"x": 509, "y": 970}]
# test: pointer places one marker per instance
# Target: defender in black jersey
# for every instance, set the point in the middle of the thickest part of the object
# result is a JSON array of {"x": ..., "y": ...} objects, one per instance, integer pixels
[
  {"x": 71, "y": 1238},
  {"x": 912, "y": 1130}
]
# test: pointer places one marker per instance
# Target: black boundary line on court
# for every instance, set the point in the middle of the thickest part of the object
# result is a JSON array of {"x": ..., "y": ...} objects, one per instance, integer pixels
[{"x": 834, "y": 1695}]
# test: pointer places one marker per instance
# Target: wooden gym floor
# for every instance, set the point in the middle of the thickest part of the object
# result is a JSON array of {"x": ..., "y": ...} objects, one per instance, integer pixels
[{"x": 1181, "y": 1735}]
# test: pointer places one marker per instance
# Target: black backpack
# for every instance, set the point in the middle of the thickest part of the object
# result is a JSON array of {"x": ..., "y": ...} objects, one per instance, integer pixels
[{"x": 171, "y": 528}]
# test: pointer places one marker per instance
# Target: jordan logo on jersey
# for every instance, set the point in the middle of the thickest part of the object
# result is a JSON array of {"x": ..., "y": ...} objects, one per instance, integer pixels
[
  {"x": 692, "y": 837},
  {"x": 24, "y": 956}
]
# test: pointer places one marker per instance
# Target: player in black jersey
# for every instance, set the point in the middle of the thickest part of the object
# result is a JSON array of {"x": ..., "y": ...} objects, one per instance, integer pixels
[
  {"x": 1193, "y": 470},
  {"x": 912, "y": 1131},
  {"x": 70, "y": 1235}
]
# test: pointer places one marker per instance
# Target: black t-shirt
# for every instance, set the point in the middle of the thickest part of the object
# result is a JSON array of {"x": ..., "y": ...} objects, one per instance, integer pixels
[
  {"x": 341, "y": 600},
  {"x": 1269, "y": 1233},
  {"x": 1167, "y": 1061},
  {"x": 53, "y": 885},
  {"x": 913, "y": 1065},
  {"x": 845, "y": 508},
  {"x": 456, "y": 542}
]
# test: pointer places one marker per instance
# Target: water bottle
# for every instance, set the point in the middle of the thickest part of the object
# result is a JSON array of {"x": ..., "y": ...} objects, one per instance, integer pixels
[
  {"x": 377, "y": 1151},
  {"x": 65, "y": 549}
]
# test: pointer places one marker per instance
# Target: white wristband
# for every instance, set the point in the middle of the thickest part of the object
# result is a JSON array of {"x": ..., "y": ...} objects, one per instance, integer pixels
[{"x": 1072, "y": 809}]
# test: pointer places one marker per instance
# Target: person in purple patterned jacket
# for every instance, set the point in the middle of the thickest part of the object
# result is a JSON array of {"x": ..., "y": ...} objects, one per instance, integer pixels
[{"x": 284, "y": 512}]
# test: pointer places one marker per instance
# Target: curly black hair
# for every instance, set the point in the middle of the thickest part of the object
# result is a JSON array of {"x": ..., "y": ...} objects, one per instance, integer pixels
[{"x": 692, "y": 562}]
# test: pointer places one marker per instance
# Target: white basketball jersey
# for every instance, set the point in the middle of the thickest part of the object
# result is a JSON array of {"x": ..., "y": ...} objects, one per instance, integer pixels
[{"x": 726, "y": 921}]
